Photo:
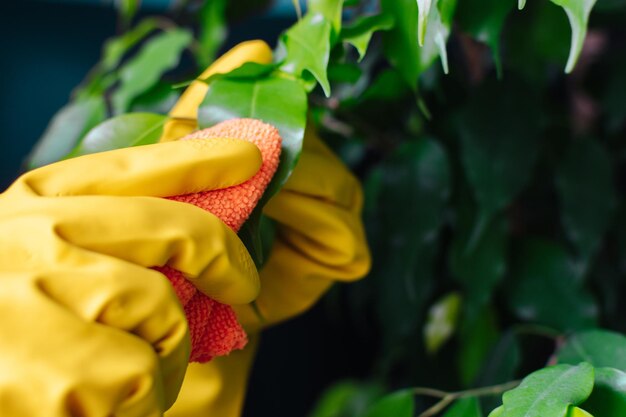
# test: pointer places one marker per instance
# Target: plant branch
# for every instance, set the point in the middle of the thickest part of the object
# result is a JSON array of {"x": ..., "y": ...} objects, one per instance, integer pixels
[{"x": 446, "y": 398}]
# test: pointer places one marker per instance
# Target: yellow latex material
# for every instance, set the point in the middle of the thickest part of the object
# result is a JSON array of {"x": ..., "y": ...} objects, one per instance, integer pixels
[
  {"x": 184, "y": 114},
  {"x": 87, "y": 328},
  {"x": 320, "y": 239}
]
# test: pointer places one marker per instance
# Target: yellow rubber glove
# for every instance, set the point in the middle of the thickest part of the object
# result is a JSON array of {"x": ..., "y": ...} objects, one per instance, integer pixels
[
  {"x": 320, "y": 239},
  {"x": 87, "y": 328}
]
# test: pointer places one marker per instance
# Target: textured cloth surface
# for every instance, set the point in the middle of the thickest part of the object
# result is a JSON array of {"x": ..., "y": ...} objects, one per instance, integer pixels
[{"x": 213, "y": 326}]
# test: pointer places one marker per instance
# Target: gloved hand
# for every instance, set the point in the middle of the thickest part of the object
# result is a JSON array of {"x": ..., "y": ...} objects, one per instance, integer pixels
[
  {"x": 320, "y": 240},
  {"x": 87, "y": 328}
]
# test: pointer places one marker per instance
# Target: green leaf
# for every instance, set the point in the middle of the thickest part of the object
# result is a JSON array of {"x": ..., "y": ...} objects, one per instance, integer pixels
[
  {"x": 213, "y": 31},
  {"x": 478, "y": 253},
  {"x": 578, "y": 12},
  {"x": 278, "y": 101},
  {"x": 306, "y": 47},
  {"x": 132, "y": 129},
  {"x": 360, "y": 33},
  {"x": 585, "y": 183},
  {"x": 600, "y": 348},
  {"x": 401, "y": 44},
  {"x": 398, "y": 404},
  {"x": 478, "y": 335},
  {"x": 543, "y": 273},
  {"x": 143, "y": 71},
  {"x": 414, "y": 187},
  {"x": 127, "y": 9},
  {"x": 549, "y": 392},
  {"x": 521, "y": 4},
  {"x": 441, "y": 322},
  {"x": 498, "y": 412},
  {"x": 346, "y": 399},
  {"x": 66, "y": 129},
  {"x": 609, "y": 393},
  {"x": 423, "y": 11},
  {"x": 484, "y": 20},
  {"x": 500, "y": 131},
  {"x": 330, "y": 9},
  {"x": 115, "y": 48},
  {"x": 502, "y": 361},
  {"x": 577, "y": 412},
  {"x": 465, "y": 407}
]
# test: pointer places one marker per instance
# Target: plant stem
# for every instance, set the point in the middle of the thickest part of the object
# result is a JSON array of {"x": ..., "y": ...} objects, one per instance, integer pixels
[{"x": 449, "y": 397}]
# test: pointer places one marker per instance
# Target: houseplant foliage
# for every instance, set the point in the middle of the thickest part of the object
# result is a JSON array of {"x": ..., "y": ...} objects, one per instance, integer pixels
[{"x": 489, "y": 138}]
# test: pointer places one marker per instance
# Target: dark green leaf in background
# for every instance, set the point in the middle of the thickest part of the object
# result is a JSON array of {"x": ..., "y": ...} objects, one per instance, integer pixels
[
  {"x": 478, "y": 262},
  {"x": 360, "y": 33},
  {"x": 465, "y": 407},
  {"x": 543, "y": 273},
  {"x": 484, "y": 20},
  {"x": 160, "y": 54},
  {"x": 127, "y": 9},
  {"x": 500, "y": 131},
  {"x": 306, "y": 47},
  {"x": 131, "y": 129},
  {"x": 478, "y": 335},
  {"x": 398, "y": 404},
  {"x": 347, "y": 399},
  {"x": 502, "y": 361},
  {"x": 585, "y": 184},
  {"x": 414, "y": 186},
  {"x": 549, "y": 392},
  {"x": 600, "y": 348},
  {"x": 578, "y": 12},
  {"x": 66, "y": 129}
]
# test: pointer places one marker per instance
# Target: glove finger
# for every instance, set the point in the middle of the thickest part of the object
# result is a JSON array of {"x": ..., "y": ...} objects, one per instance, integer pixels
[
  {"x": 333, "y": 181},
  {"x": 144, "y": 231},
  {"x": 71, "y": 367},
  {"x": 159, "y": 170},
  {"x": 331, "y": 236}
]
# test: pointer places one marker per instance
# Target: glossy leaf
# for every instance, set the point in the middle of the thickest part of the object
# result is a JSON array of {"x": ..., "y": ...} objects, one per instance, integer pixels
[
  {"x": 360, "y": 33},
  {"x": 144, "y": 70},
  {"x": 66, "y": 129},
  {"x": 585, "y": 184},
  {"x": 398, "y": 404},
  {"x": 132, "y": 129},
  {"x": 484, "y": 20},
  {"x": 306, "y": 47},
  {"x": 549, "y": 392},
  {"x": 500, "y": 131},
  {"x": 543, "y": 273},
  {"x": 609, "y": 393},
  {"x": 577, "y": 412},
  {"x": 498, "y": 412},
  {"x": 441, "y": 321},
  {"x": 465, "y": 407},
  {"x": 601, "y": 348},
  {"x": 278, "y": 101},
  {"x": 330, "y": 9},
  {"x": 578, "y": 12}
]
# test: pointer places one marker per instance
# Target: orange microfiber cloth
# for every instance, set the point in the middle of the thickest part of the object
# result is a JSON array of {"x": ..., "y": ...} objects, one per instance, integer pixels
[{"x": 214, "y": 328}]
